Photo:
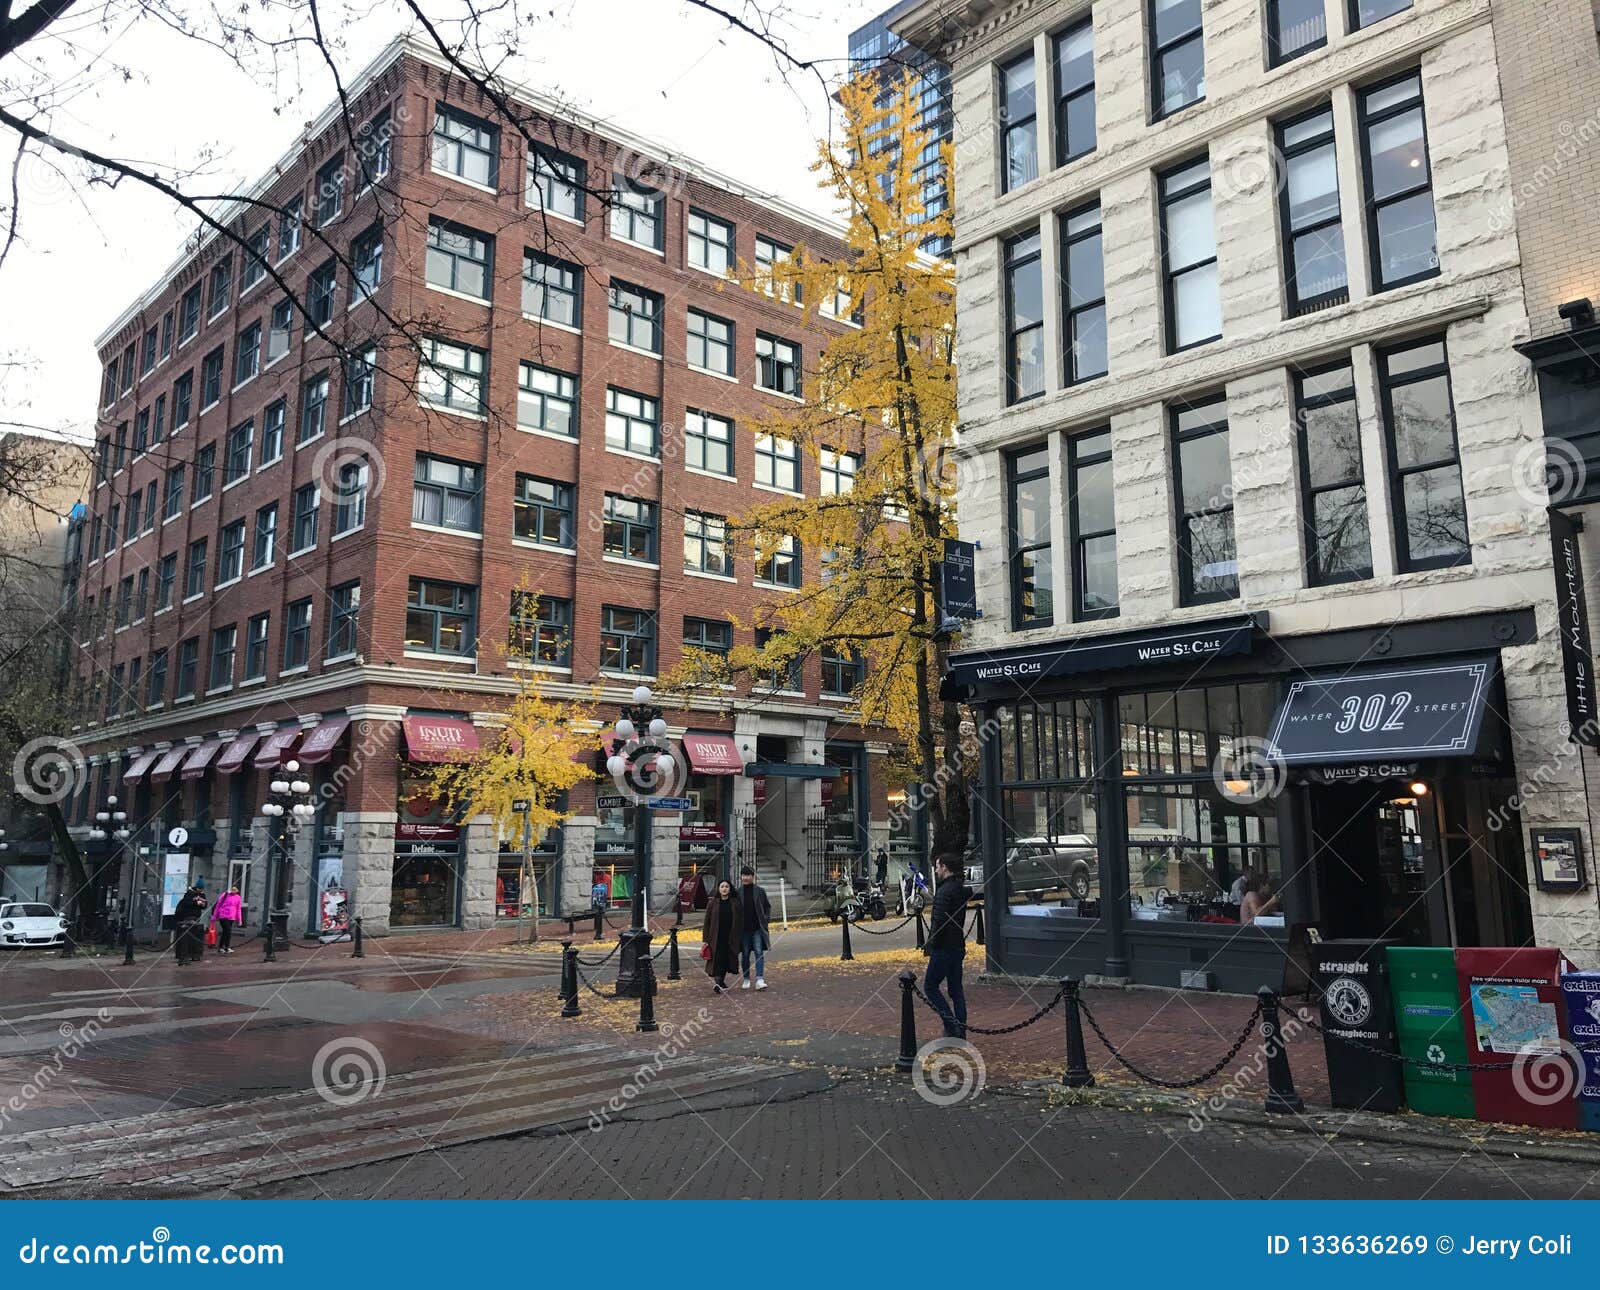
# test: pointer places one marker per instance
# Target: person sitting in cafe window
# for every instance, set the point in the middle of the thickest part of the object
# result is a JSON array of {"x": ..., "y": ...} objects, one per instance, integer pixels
[{"x": 1259, "y": 898}]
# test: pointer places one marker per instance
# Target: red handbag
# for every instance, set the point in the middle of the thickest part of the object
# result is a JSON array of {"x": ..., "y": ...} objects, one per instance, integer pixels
[
  {"x": 705, "y": 951},
  {"x": 211, "y": 934}
]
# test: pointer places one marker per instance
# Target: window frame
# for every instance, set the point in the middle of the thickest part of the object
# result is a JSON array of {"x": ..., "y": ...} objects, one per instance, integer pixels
[
  {"x": 562, "y": 505},
  {"x": 1303, "y": 403},
  {"x": 1169, "y": 276},
  {"x": 565, "y": 395},
  {"x": 617, "y": 531},
  {"x": 1295, "y": 305},
  {"x": 1010, "y": 126},
  {"x": 549, "y": 160},
  {"x": 630, "y": 421},
  {"x": 455, "y": 378},
  {"x": 1065, "y": 97},
  {"x": 1371, "y": 205},
  {"x": 1188, "y": 594},
  {"x": 344, "y": 621},
  {"x": 296, "y": 635},
  {"x": 449, "y": 498},
  {"x": 630, "y": 217},
  {"x": 1014, "y": 260},
  {"x": 705, "y": 534},
  {"x": 1070, "y": 312},
  {"x": 766, "y": 449},
  {"x": 692, "y": 237},
  {"x": 436, "y": 251},
  {"x": 1078, "y": 462},
  {"x": 632, "y": 316},
  {"x": 1277, "y": 55},
  {"x": 644, "y": 635},
  {"x": 488, "y": 146},
  {"x": 1160, "y": 50},
  {"x": 1387, "y": 384},
  {"x": 1016, "y": 550},
  {"x": 700, "y": 436},
  {"x": 571, "y": 287},
  {"x": 540, "y": 630},
  {"x": 771, "y": 364},
  {"x": 464, "y": 606},
  {"x": 728, "y": 346}
]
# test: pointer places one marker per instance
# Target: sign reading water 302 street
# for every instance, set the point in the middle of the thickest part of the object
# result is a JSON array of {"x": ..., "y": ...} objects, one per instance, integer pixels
[{"x": 1433, "y": 710}]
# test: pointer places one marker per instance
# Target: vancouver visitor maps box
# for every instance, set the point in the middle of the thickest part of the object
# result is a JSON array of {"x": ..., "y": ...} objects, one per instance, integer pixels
[{"x": 1513, "y": 1011}]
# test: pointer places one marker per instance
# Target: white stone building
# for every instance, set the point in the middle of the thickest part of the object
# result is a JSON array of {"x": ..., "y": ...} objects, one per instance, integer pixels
[{"x": 1240, "y": 285}]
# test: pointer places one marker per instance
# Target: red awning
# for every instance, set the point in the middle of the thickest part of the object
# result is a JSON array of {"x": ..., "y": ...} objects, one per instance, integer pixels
[
  {"x": 141, "y": 763},
  {"x": 168, "y": 763},
  {"x": 712, "y": 754},
  {"x": 233, "y": 757},
  {"x": 199, "y": 759},
  {"x": 320, "y": 743},
  {"x": 276, "y": 747},
  {"x": 438, "y": 739}
]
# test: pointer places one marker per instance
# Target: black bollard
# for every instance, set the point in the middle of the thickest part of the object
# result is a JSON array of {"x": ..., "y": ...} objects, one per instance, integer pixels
[
  {"x": 599, "y": 922},
  {"x": 572, "y": 922},
  {"x": 1077, "y": 1074},
  {"x": 845, "y": 955},
  {"x": 673, "y": 974},
  {"x": 268, "y": 956},
  {"x": 127, "y": 944},
  {"x": 922, "y": 931},
  {"x": 1281, "y": 1097},
  {"x": 647, "y": 992},
  {"x": 680, "y": 914},
  {"x": 979, "y": 936},
  {"x": 356, "y": 952},
  {"x": 908, "y": 1024},
  {"x": 569, "y": 980}
]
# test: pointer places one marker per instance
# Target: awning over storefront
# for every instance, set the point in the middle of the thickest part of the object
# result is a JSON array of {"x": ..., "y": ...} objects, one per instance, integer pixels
[
  {"x": 276, "y": 746},
  {"x": 163, "y": 769},
  {"x": 439, "y": 739},
  {"x": 791, "y": 770},
  {"x": 235, "y": 754},
  {"x": 200, "y": 758},
  {"x": 320, "y": 743},
  {"x": 140, "y": 764},
  {"x": 712, "y": 753},
  {"x": 1384, "y": 714},
  {"x": 1178, "y": 644}
]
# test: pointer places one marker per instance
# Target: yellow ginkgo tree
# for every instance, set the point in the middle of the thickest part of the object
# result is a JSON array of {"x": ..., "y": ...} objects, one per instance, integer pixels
[{"x": 878, "y": 412}]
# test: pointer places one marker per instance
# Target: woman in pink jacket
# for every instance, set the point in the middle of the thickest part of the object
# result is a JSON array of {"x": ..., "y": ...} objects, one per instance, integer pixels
[{"x": 229, "y": 910}]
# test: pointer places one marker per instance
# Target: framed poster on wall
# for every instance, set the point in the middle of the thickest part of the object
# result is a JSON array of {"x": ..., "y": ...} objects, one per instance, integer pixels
[{"x": 1558, "y": 860}]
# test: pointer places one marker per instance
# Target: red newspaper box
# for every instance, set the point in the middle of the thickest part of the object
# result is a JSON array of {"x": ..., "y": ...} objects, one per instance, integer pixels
[{"x": 1512, "y": 1009}]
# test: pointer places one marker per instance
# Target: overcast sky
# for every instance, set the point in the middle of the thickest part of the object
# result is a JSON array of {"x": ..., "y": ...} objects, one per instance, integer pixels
[{"x": 653, "y": 66}]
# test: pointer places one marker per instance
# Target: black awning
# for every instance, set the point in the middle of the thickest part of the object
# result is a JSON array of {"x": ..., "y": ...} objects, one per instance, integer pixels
[
  {"x": 790, "y": 770},
  {"x": 1385, "y": 714},
  {"x": 1191, "y": 642}
]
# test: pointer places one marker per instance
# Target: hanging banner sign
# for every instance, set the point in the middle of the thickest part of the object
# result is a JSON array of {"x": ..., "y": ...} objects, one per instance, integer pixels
[
  {"x": 1572, "y": 613},
  {"x": 958, "y": 583}
]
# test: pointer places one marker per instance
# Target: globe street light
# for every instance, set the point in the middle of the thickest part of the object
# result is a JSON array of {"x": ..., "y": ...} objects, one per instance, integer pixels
[
  {"x": 641, "y": 766},
  {"x": 288, "y": 800}
]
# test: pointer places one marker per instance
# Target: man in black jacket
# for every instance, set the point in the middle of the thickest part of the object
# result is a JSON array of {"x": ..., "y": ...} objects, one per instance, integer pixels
[
  {"x": 946, "y": 945},
  {"x": 757, "y": 910}
]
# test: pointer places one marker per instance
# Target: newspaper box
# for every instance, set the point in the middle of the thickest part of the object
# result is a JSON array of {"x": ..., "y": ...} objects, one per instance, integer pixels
[
  {"x": 1581, "y": 991},
  {"x": 1512, "y": 1007},
  {"x": 1358, "y": 1037},
  {"x": 1427, "y": 1019}
]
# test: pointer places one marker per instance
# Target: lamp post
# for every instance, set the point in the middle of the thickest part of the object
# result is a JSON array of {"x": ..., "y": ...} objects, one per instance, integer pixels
[
  {"x": 110, "y": 825},
  {"x": 641, "y": 763},
  {"x": 288, "y": 798}
]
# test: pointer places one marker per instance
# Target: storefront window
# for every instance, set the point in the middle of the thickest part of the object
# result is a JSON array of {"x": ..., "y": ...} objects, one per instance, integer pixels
[
  {"x": 524, "y": 880},
  {"x": 703, "y": 834},
  {"x": 613, "y": 847},
  {"x": 1051, "y": 851},
  {"x": 427, "y": 859},
  {"x": 1190, "y": 843},
  {"x": 844, "y": 832}
]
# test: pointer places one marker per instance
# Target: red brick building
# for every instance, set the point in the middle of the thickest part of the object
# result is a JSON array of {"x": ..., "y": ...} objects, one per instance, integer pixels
[{"x": 321, "y": 545}]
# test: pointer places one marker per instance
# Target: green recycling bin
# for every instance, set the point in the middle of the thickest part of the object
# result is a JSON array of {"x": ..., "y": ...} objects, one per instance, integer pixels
[{"x": 1427, "y": 1018}]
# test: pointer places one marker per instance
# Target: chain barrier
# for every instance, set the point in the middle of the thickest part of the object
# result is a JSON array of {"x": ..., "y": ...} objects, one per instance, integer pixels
[
  {"x": 608, "y": 998},
  {"x": 1422, "y": 1063},
  {"x": 994, "y": 1030},
  {"x": 603, "y": 959},
  {"x": 887, "y": 931},
  {"x": 1244, "y": 1034}
]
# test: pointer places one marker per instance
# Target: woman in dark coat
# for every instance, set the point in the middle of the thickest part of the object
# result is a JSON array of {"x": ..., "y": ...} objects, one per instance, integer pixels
[{"x": 723, "y": 933}]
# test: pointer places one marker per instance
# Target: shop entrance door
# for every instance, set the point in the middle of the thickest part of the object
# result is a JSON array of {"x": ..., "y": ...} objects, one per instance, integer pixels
[
  {"x": 1368, "y": 847},
  {"x": 1484, "y": 879}
]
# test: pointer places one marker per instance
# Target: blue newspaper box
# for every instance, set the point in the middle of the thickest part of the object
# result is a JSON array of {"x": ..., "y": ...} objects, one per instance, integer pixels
[{"x": 1581, "y": 993}]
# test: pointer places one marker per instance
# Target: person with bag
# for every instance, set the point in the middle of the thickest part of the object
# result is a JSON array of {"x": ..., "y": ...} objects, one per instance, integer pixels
[
  {"x": 186, "y": 917},
  {"x": 722, "y": 935},
  {"x": 755, "y": 913},
  {"x": 946, "y": 946},
  {"x": 228, "y": 914}
]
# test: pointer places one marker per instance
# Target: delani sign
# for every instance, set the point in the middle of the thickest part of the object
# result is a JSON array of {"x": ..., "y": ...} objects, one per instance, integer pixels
[{"x": 1426, "y": 710}]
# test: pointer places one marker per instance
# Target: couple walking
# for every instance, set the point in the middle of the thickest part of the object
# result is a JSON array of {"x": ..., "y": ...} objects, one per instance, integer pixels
[{"x": 735, "y": 932}]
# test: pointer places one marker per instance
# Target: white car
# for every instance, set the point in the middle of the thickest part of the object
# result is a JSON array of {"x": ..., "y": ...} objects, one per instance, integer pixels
[{"x": 30, "y": 925}]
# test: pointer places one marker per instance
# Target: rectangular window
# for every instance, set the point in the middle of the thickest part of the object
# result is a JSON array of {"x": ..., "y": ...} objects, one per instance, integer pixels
[
  {"x": 550, "y": 289},
  {"x": 131, "y": 531},
  {"x": 709, "y": 635},
  {"x": 236, "y": 464},
  {"x": 126, "y": 368},
  {"x": 635, "y": 317},
  {"x": 366, "y": 264},
  {"x": 166, "y": 334},
  {"x": 266, "y": 536},
  {"x": 1394, "y": 152},
  {"x": 710, "y": 345},
  {"x": 149, "y": 506},
  {"x": 224, "y": 649},
  {"x": 1177, "y": 56},
  {"x": 1189, "y": 257},
  {"x": 627, "y": 641},
  {"x": 459, "y": 259},
  {"x": 779, "y": 567},
  {"x": 1332, "y": 489},
  {"x": 297, "y": 634},
  {"x": 166, "y": 578},
  {"x": 188, "y": 669},
  {"x": 710, "y": 242},
  {"x": 255, "y": 257},
  {"x": 636, "y": 213},
  {"x": 156, "y": 678},
  {"x": 547, "y": 400},
  {"x": 125, "y": 602},
  {"x": 255, "y": 647},
  {"x": 770, "y": 254},
  {"x": 1295, "y": 27},
  {"x": 1028, "y": 523},
  {"x": 205, "y": 463},
  {"x": 219, "y": 289},
  {"x": 1313, "y": 234},
  {"x": 1430, "y": 512},
  {"x": 541, "y": 629},
  {"x": 841, "y": 673},
  {"x": 289, "y": 228},
  {"x": 555, "y": 182},
  {"x": 174, "y": 498},
  {"x": 777, "y": 463},
  {"x": 280, "y": 331},
  {"x": 441, "y": 618},
  {"x": 543, "y": 511},
  {"x": 838, "y": 471},
  {"x": 777, "y": 365},
  {"x": 447, "y": 494},
  {"x": 147, "y": 355},
  {"x": 182, "y": 400},
  {"x": 314, "y": 408},
  {"x": 350, "y": 499},
  {"x": 1083, "y": 295},
  {"x": 330, "y": 191},
  {"x": 194, "y": 583},
  {"x": 1075, "y": 111},
  {"x": 108, "y": 391},
  {"x": 450, "y": 376},
  {"x": 1208, "y": 568},
  {"x": 374, "y": 148},
  {"x": 211, "y": 379},
  {"x": 158, "y": 420},
  {"x": 141, "y": 597},
  {"x": 1024, "y": 269},
  {"x": 344, "y": 614},
  {"x": 359, "y": 371},
  {"x": 141, "y": 433},
  {"x": 708, "y": 442},
  {"x": 1094, "y": 526},
  {"x": 322, "y": 289},
  {"x": 189, "y": 314},
  {"x": 1019, "y": 123},
  {"x": 465, "y": 147},
  {"x": 705, "y": 543},
  {"x": 633, "y": 422},
  {"x": 307, "y": 500},
  {"x": 272, "y": 431},
  {"x": 781, "y": 673},
  {"x": 1363, "y": 13},
  {"x": 630, "y": 529},
  {"x": 230, "y": 553}
]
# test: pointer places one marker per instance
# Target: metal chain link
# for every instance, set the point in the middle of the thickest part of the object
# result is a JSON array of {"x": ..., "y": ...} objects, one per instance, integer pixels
[
  {"x": 1244, "y": 1034},
  {"x": 1420, "y": 1062},
  {"x": 603, "y": 959},
  {"x": 887, "y": 931},
  {"x": 608, "y": 998},
  {"x": 994, "y": 1030}
]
